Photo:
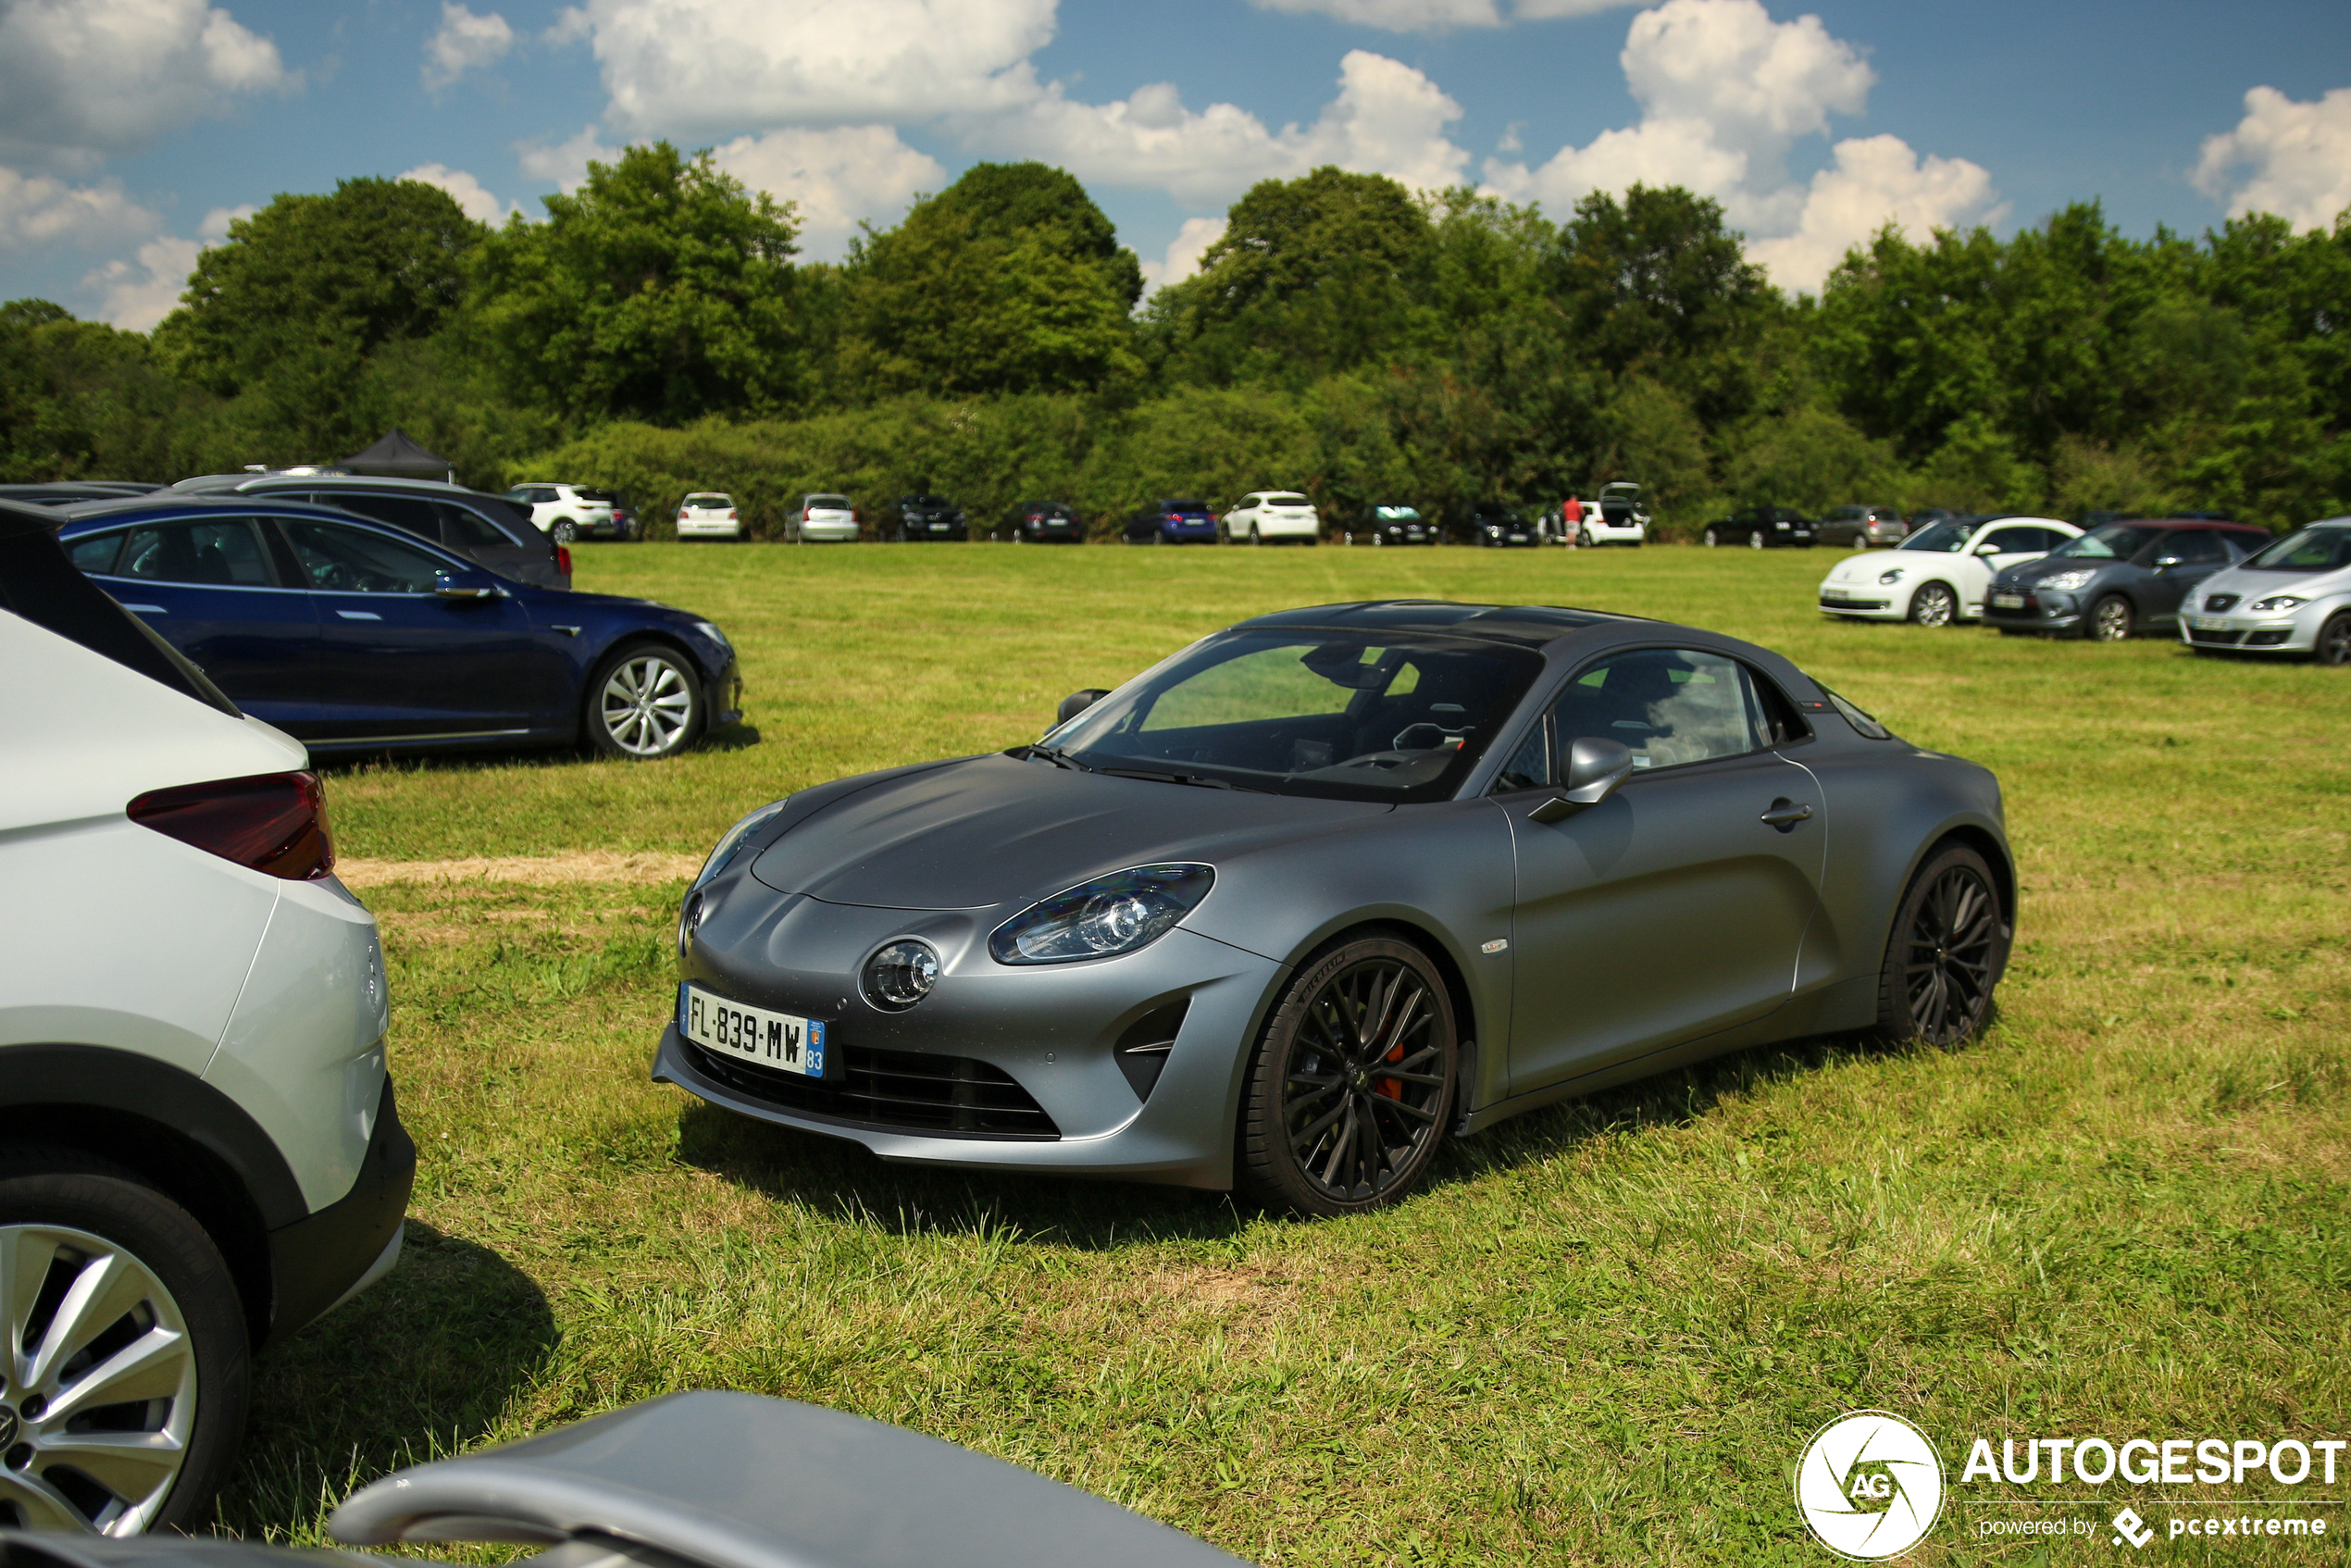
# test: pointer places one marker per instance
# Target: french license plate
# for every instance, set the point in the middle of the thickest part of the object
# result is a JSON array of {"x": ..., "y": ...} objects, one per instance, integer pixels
[
  {"x": 2210, "y": 623},
  {"x": 1836, "y": 594},
  {"x": 2009, "y": 600},
  {"x": 775, "y": 1040}
]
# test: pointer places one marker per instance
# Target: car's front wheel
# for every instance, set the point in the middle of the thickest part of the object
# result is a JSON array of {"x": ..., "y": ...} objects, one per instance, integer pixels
[
  {"x": 1255, "y": 537},
  {"x": 1755, "y": 540},
  {"x": 1934, "y": 605},
  {"x": 125, "y": 1374},
  {"x": 644, "y": 703},
  {"x": 2333, "y": 645},
  {"x": 1352, "y": 1088},
  {"x": 1949, "y": 945},
  {"x": 565, "y": 532},
  {"x": 1711, "y": 540},
  {"x": 2111, "y": 619}
]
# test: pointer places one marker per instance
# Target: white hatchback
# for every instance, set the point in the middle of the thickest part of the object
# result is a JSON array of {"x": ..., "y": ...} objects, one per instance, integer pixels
[
  {"x": 1268, "y": 516},
  {"x": 2292, "y": 598},
  {"x": 706, "y": 514},
  {"x": 1940, "y": 574},
  {"x": 199, "y": 1147},
  {"x": 823, "y": 519}
]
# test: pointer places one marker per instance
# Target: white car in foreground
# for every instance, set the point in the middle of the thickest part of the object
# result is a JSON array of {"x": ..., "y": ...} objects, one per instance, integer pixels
[
  {"x": 706, "y": 514},
  {"x": 199, "y": 1148},
  {"x": 1268, "y": 516},
  {"x": 822, "y": 519},
  {"x": 1940, "y": 574},
  {"x": 2294, "y": 597}
]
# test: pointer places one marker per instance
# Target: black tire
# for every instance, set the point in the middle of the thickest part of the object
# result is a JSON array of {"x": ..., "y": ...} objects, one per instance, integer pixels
[
  {"x": 1755, "y": 540},
  {"x": 1324, "y": 1092},
  {"x": 633, "y": 710},
  {"x": 1935, "y": 604},
  {"x": 81, "y": 1212},
  {"x": 565, "y": 532},
  {"x": 1710, "y": 540},
  {"x": 1948, "y": 950},
  {"x": 2112, "y": 619},
  {"x": 2333, "y": 645}
]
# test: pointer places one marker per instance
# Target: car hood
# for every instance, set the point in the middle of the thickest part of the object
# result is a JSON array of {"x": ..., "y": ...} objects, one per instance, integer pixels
[
  {"x": 995, "y": 830},
  {"x": 2262, "y": 585},
  {"x": 1865, "y": 566}
]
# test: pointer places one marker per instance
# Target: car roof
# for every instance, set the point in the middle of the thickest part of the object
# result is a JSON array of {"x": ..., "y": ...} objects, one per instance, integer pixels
[
  {"x": 1519, "y": 626},
  {"x": 260, "y": 484},
  {"x": 165, "y": 503}
]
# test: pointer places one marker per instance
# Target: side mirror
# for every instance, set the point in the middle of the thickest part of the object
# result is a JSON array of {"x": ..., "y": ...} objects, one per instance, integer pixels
[
  {"x": 1595, "y": 767},
  {"x": 464, "y": 587},
  {"x": 1077, "y": 703},
  {"x": 2163, "y": 561},
  {"x": 1987, "y": 550}
]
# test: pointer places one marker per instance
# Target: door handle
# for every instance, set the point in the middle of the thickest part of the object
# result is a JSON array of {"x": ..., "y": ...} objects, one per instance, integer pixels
[{"x": 1785, "y": 813}]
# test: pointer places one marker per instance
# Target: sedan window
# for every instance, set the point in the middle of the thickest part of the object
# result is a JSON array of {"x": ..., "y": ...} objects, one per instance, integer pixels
[
  {"x": 411, "y": 513},
  {"x": 1945, "y": 538},
  {"x": 2016, "y": 542},
  {"x": 216, "y": 553},
  {"x": 1667, "y": 705},
  {"x": 2194, "y": 547},
  {"x": 2107, "y": 541},
  {"x": 469, "y": 530},
  {"x": 340, "y": 560},
  {"x": 95, "y": 554}
]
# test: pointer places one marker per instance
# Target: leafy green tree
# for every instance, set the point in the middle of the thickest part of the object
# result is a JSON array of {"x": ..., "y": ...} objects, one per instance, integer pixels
[
  {"x": 660, "y": 290},
  {"x": 1011, "y": 280},
  {"x": 81, "y": 400}
]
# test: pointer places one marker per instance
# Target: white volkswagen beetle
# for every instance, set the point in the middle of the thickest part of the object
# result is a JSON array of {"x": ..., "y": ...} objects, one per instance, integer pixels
[
  {"x": 2294, "y": 597},
  {"x": 1939, "y": 574}
]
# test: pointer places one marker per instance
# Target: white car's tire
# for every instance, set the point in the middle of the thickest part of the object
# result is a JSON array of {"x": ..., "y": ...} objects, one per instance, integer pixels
[{"x": 1935, "y": 604}]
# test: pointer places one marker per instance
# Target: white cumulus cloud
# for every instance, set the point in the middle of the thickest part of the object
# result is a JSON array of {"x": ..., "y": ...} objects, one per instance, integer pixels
[
  {"x": 468, "y": 192},
  {"x": 80, "y": 78},
  {"x": 2284, "y": 158},
  {"x": 1395, "y": 16},
  {"x": 463, "y": 42},
  {"x": 703, "y": 67},
  {"x": 138, "y": 293},
  {"x": 37, "y": 210},
  {"x": 563, "y": 165},
  {"x": 1184, "y": 251},
  {"x": 837, "y": 177},
  {"x": 1874, "y": 181}
]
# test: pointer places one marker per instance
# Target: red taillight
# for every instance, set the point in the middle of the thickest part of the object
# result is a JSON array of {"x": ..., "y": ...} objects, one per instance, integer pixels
[
  {"x": 274, "y": 822},
  {"x": 563, "y": 559},
  {"x": 808, "y": 513}
]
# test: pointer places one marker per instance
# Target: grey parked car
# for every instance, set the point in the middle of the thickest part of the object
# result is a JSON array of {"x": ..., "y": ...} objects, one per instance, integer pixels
[
  {"x": 2117, "y": 579},
  {"x": 488, "y": 530},
  {"x": 1289, "y": 907}
]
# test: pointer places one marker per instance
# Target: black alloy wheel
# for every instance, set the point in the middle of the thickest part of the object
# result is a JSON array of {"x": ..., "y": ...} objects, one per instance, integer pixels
[
  {"x": 1934, "y": 605},
  {"x": 2334, "y": 646},
  {"x": 1351, "y": 1090},
  {"x": 1949, "y": 946},
  {"x": 2111, "y": 619}
]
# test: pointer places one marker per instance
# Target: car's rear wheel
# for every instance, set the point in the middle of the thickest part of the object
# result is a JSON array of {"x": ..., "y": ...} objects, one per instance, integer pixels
[
  {"x": 1352, "y": 1089},
  {"x": 1950, "y": 942},
  {"x": 565, "y": 532},
  {"x": 1755, "y": 540},
  {"x": 1934, "y": 605},
  {"x": 2334, "y": 646},
  {"x": 126, "y": 1370},
  {"x": 1710, "y": 540},
  {"x": 2111, "y": 620},
  {"x": 1255, "y": 537},
  {"x": 644, "y": 703}
]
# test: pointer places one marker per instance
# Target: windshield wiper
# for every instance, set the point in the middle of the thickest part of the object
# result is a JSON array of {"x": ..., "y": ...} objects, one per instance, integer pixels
[
  {"x": 1053, "y": 754},
  {"x": 1196, "y": 780}
]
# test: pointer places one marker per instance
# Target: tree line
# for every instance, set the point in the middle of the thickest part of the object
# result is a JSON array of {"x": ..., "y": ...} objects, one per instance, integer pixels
[{"x": 657, "y": 331}]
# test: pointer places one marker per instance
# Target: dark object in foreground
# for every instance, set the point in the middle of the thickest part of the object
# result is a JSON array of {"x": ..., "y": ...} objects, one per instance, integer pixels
[{"x": 705, "y": 1480}]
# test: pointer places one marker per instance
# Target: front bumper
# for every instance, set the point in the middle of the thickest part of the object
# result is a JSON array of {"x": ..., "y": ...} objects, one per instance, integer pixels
[
  {"x": 317, "y": 1262},
  {"x": 1052, "y": 1031},
  {"x": 1871, "y": 602},
  {"x": 2293, "y": 633},
  {"x": 2044, "y": 612}
]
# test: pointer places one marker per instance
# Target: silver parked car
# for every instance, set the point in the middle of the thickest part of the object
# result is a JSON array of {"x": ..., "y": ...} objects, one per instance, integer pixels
[
  {"x": 2292, "y": 598},
  {"x": 1292, "y": 905}
]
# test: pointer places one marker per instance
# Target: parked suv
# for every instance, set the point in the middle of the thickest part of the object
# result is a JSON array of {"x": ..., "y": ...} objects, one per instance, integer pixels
[
  {"x": 1394, "y": 525},
  {"x": 1269, "y": 515},
  {"x": 823, "y": 519},
  {"x": 929, "y": 517},
  {"x": 1172, "y": 521},
  {"x": 1861, "y": 528},
  {"x": 1492, "y": 523},
  {"x": 565, "y": 511},
  {"x": 1044, "y": 522},
  {"x": 488, "y": 530},
  {"x": 199, "y": 1147}
]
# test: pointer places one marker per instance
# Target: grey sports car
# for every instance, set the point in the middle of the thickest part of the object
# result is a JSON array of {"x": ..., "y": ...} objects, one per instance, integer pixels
[{"x": 1293, "y": 904}]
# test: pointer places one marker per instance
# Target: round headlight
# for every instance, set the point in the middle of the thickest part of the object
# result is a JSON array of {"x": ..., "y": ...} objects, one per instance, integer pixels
[
  {"x": 900, "y": 973},
  {"x": 1893, "y": 576}
]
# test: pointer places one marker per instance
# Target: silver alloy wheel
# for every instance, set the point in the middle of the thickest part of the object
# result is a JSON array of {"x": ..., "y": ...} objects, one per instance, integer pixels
[
  {"x": 1254, "y": 537},
  {"x": 1755, "y": 542},
  {"x": 1710, "y": 540},
  {"x": 565, "y": 532},
  {"x": 645, "y": 705},
  {"x": 2334, "y": 646},
  {"x": 99, "y": 1395},
  {"x": 2111, "y": 622},
  {"x": 1933, "y": 604}
]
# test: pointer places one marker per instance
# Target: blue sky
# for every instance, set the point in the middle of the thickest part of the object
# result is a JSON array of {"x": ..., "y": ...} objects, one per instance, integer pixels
[{"x": 132, "y": 131}]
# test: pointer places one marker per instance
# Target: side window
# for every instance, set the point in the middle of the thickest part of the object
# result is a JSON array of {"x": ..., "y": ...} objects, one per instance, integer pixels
[
  {"x": 340, "y": 560},
  {"x": 469, "y": 530},
  {"x": 2195, "y": 548},
  {"x": 1774, "y": 718},
  {"x": 2013, "y": 542},
  {"x": 96, "y": 553},
  {"x": 410, "y": 514},
  {"x": 1530, "y": 767},
  {"x": 216, "y": 553},
  {"x": 1667, "y": 705}
]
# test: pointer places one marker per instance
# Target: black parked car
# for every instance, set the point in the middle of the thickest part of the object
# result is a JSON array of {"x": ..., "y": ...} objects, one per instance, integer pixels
[
  {"x": 1171, "y": 520},
  {"x": 1492, "y": 523},
  {"x": 1763, "y": 527},
  {"x": 928, "y": 517},
  {"x": 2117, "y": 579},
  {"x": 1861, "y": 528},
  {"x": 488, "y": 530},
  {"x": 1394, "y": 525},
  {"x": 352, "y": 636},
  {"x": 1046, "y": 522}
]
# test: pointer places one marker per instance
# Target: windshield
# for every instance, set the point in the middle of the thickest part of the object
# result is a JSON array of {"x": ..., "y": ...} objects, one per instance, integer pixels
[
  {"x": 926, "y": 501},
  {"x": 2321, "y": 549},
  {"x": 1287, "y": 501},
  {"x": 831, "y": 502},
  {"x": 1947, "y": 539},
  {"x": 1338, "y": 714},
  {"x": 707, "y": 498},
  {"x": 1398, "y": 514},
  {"x": 2107, "y": 541},
  {"x": 1183, "y": 505}
]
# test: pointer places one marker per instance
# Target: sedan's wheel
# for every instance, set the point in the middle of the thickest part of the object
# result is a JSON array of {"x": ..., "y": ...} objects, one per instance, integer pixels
[
  {"x": 1255, "y": 537},
  {"x": 1352, "y": 1088},
  {"x": 1933, "y": 604},
  {"x": 2111, "y": 619},
  {"x": 1755, "y": 542},
  {"x": 1710, "y": 540},
  {"x": 1949, "y": 945},
  {"x": 644, "y": 703},
  {"x": 124, "y": 1376},
  {"x": 2334, "y": 646},
  {"x": 565, "y": 532}
]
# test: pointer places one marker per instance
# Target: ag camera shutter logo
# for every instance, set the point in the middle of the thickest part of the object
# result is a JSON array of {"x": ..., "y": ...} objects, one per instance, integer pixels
[{"x": 1870, "y": 1485}]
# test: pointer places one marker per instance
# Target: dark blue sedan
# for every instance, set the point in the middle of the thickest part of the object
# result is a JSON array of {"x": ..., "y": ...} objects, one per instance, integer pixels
[{"x": 352, "y": 636}]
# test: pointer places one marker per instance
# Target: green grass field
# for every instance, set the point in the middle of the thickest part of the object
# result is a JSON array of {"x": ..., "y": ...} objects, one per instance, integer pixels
[{"x": 1605, "y": 1330}]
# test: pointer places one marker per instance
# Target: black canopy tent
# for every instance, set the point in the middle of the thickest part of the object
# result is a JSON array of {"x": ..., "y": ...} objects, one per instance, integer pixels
[{"x": 396, "y": 456}]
